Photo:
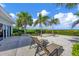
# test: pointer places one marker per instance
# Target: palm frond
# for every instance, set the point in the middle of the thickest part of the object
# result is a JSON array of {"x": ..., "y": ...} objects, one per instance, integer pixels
[
  {"x": 75, "y": 23},
  {"x": 25, "y": 18},
  {"x": 30, "y": 20},
  {"x": 77, "y": 13},
  {"x": 18, "y": 23},
  {"x": 71, "y": 5},
  {"x": 44, "y": 19},
  {"x": 67, "y": 5},
  {"x": 36, "y": 22},
  {"x": 54, "y": 21},
  {"x": 41, "y": 20}
]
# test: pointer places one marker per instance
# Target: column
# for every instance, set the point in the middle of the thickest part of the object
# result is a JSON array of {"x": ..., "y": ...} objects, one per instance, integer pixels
[
  {"x": 3, "y": 31},
  {"x": 6, "y": 31}
]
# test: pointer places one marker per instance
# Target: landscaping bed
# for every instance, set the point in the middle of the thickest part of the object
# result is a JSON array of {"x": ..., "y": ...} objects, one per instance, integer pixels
[{"x": 75, "y": 49}]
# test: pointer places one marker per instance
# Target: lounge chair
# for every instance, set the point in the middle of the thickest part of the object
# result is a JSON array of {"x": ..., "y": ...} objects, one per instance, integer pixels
[{"x": 50, "y": 50}]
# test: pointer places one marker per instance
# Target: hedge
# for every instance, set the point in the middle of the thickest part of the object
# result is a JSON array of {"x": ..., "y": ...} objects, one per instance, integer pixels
[{"x": 38, "y": 31}]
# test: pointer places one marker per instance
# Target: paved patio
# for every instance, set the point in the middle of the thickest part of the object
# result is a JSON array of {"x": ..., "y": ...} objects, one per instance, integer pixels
[{"x": 19, "y": 46}]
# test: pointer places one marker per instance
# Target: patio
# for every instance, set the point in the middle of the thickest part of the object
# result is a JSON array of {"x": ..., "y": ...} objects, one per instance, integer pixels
[{"x": 19, "y": 45}]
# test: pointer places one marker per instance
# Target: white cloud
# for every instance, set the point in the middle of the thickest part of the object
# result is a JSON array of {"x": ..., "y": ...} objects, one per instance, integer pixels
[
  {"x": 66, "y": 17},
  {"x": 2, "y": 5},
  {"x": 78, "y": 7},
  {"x": 13, "y": 15},
  {"x": 43, "y": 12},
  {"x": 34, "y": 19},
  {"x": 59, "y": 15},
  {"x": 37, "y": 14}
]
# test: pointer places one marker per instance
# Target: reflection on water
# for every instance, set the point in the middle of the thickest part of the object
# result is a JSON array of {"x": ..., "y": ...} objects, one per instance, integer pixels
[{"x": 1, "y": 38}]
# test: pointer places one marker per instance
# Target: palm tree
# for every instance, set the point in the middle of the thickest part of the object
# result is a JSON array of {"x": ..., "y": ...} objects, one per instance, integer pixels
[
  {"x": 18, "y": 23},
  {"x": 75, "y": 23},
  {"x": 54, "y": 22},
  {"x": 24, "y": 19},
  {"x": 41, "y": 20},
  {"x": 70, "y": 6}
]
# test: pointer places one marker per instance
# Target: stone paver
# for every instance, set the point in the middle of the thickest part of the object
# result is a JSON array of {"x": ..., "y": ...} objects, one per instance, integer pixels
[
  {"x": 25, "y": 51},
  {"x": 8, "y": 53}
]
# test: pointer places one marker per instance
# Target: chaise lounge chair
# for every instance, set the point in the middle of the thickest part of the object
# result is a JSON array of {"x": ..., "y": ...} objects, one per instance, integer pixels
[{"x": 49, "y": 50}]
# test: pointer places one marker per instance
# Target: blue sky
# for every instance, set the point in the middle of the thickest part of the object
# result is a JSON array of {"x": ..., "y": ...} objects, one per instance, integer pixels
[
  {"x": 33, "y": 9},
  {"x": 66, "y": 16}
]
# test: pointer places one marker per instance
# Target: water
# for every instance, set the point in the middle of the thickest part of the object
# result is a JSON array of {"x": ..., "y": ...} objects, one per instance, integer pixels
[{"x": 1, "y": 38}]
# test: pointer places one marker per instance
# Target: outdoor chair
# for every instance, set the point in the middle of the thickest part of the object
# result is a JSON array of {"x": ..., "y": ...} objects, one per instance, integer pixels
[{"x": 50, "y": 50}]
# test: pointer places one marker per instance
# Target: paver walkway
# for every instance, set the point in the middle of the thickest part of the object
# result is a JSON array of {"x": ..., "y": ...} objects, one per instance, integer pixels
[{"x": 19, "y": 46}]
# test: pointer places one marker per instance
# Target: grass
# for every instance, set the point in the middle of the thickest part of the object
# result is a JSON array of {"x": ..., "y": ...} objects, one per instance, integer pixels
[{"x": 75, "y": 49}]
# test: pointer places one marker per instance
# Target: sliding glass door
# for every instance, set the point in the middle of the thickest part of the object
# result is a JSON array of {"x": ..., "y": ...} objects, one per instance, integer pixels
[
  {"x": 5, "y": 31},
  {"x": 8, "y": 31}
]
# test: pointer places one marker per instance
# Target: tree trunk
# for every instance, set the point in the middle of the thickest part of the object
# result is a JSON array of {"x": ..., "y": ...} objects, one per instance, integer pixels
[
  {"x": 25, "y": 29},
  {"x": 53, "y": 33},
  {"x": 41, "y": 30}
]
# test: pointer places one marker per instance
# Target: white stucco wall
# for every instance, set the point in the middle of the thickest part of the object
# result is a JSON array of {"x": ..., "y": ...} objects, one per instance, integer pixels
[
  {"x": 5, "y": 18},
  {"x": 3, "y": 21}
]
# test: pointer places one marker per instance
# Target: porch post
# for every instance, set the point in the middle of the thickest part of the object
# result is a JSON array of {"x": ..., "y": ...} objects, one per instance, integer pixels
[
  {"x": 3, "y": 30},
  {"x": 6, "y": 31}
]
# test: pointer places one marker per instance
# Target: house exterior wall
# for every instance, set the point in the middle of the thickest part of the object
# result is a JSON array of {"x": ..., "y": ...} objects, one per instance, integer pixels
[
  {"x": 5, "y": 18},
  {"x": 7, "y": 22}
]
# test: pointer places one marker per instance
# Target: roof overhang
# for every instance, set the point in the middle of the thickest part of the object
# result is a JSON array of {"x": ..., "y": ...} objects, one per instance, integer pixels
[{"x": 5, "y": 18}]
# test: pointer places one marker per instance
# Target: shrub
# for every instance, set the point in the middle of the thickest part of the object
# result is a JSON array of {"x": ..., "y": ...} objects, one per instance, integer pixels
[
  {"x": 17, "y": 32},
  {"x": 30, "y": 31},
  {"x": 75, "y": 49},
  {"x": 48, "y": 31},
  {"x": 38, "y": 31},
  {"x": 67, "y": 32}
]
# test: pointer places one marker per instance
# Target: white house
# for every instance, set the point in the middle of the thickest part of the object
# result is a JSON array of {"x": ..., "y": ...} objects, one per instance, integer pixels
[{"x": 6, "y": 23}]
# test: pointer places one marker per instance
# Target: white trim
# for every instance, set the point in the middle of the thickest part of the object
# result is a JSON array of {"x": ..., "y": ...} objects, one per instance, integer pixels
[
  {"x": 4, "y": 21},
  {"x": 6, "y": 17}
]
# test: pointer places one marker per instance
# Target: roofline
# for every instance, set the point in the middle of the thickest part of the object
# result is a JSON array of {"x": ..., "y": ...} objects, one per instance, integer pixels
[{"x": 7, "y": 15}]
